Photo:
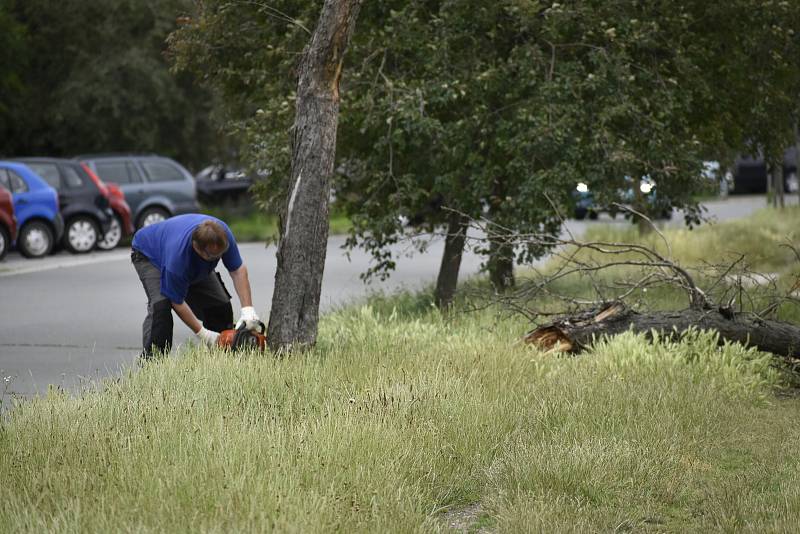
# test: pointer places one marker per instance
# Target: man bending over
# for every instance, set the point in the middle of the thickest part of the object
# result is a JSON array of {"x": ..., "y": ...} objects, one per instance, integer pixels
[{"x": 176, "y": 260}]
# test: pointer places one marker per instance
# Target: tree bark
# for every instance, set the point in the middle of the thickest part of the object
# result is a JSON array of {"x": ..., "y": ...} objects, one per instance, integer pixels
[
  {"x": 501, "y": 264},
  {"x": 576, "y": 332},
  {"x": 447, "y": 281},
  {"x": 797, "y": 154},
  {"x": 501, "y": 250},
  {"x": 304, "y": 219}
]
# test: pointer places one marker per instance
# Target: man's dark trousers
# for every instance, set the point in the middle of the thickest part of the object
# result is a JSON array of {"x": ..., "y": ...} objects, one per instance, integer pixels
[{"x": 208, "y": 299}]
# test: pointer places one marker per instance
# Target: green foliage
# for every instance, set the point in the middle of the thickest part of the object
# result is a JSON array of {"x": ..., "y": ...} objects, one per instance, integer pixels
[
  {"x": 501, "y": 108},
  {"x": 246, "y": 52},
  {"x": 14, "y": 58},
  {"x": 96, "y": 79}
]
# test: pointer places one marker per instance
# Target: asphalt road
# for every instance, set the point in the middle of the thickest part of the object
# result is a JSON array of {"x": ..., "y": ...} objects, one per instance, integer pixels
[{"x": 68, "y": 320}]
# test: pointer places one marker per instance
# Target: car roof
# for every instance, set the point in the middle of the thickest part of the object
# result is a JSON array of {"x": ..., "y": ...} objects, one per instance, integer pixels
[
  {"x": 105, "y": 155},
  {"x": 16, "y": 165},
  {"x": 39, "y": 159},
  {"x": 24, "y": 171}
]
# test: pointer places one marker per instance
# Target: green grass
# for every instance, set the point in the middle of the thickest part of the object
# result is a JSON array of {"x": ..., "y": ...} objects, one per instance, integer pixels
[
  {"x": 252, "y": 224},
  {"x": 401, "y": 415},
  {"x": 758, "y": 237}
]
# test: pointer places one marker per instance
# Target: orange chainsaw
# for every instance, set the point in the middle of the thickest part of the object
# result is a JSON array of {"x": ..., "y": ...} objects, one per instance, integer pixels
[{"x": 243, "y": 338}]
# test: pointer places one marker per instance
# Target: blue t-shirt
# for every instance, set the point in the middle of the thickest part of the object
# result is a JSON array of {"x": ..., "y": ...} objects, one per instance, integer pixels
[{"x": 168, "y": 246}]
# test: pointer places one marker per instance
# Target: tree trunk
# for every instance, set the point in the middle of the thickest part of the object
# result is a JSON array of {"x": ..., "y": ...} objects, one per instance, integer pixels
[
  {"x": 501, "y": 249},
  {"x": 447, "y": 281},
  {"x": 304, "y": 220},
  {"x": 576, "y": 332},
  {"x": 501, "y": 263},
  {"x": 797, "y": 155}
]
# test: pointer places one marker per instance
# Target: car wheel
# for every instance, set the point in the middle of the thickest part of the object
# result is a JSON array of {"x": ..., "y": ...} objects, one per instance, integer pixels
[
  {"x": 593, "y": 215},
  {"x": 35, "y": 240},
  {"x": 152, "y": 216},
  {"x": 80, "y": 235},
  {"x": 114, "y": 235},
  {"x": 580, "y": 213},
  {"x": 5, "y": 242}
]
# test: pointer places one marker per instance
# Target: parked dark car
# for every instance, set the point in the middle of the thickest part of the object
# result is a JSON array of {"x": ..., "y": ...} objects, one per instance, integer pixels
[
  {"x": 750, "y": 174},
  {"x": 36, "y": 207},
  {"x": 218, "y": 183},
  {"x": 155, "y": 187},
  {"x": 122, "y": 224},
  {"x": 8, "y": 222},
  {"x": 83, "y": 203}
]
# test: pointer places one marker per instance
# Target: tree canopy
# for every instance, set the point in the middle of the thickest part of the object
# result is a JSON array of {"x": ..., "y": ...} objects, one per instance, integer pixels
[
  {"x": 90, "y": 75},
  {"x": 499, "y": 109}
]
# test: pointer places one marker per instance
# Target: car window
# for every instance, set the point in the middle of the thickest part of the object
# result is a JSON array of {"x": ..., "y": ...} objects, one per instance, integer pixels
[
  {"x": 48, "y": 171},
  {"x": 72, "y": 178},
  {"x": 19, "y": 185},
  {"x": 158, "y": 171},
  {"x": 119, "y": 172},
  {"x": 12, "y": 181}
]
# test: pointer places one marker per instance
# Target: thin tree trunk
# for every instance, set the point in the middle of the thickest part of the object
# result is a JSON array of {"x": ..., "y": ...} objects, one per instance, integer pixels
[
  {"x": 797, "y": 155},
  {"x": 501, "y": 263},
  {"x": 772, "y": 198},
  {"x": 501, "y": 249},
  {"x": 304, "y": 221},
  {"x": 447, "y": 281}
]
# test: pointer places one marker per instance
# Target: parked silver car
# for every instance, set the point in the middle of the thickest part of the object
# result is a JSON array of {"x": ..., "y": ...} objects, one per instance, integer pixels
[{"x": 155, "y": 187}]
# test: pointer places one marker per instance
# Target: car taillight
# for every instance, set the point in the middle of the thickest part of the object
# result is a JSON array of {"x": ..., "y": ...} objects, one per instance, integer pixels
[{"x": 55, "y": 198}]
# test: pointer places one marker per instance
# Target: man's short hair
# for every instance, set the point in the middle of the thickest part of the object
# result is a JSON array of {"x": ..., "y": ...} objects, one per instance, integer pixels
[{"x": 210, "y": 235}]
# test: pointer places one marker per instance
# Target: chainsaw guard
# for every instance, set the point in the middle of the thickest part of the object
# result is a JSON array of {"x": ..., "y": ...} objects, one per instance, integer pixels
[{"x": 243, "y": 339}]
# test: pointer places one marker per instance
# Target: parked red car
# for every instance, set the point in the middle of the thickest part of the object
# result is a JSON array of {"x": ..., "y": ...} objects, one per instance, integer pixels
[
  {"x": 8, "y": 223},
  {"x": 122, "y": 225}
]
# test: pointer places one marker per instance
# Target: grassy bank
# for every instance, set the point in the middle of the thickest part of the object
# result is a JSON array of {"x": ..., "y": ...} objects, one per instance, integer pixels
[
  {"x": 250, "y": 224},
  {"x": 401, "y": 420}
]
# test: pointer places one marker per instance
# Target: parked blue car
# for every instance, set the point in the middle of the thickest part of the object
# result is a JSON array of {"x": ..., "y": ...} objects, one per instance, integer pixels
[{"x": 36, "y": 207}]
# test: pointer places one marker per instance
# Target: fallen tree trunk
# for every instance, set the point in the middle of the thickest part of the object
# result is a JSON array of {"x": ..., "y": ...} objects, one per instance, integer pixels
[{"x": 574, "y": 333}]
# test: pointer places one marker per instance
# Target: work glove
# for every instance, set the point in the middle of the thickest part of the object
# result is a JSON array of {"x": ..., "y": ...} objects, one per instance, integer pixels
[
  {"x": 249, "y": 319},
  {"x": 208, "y": 337}
]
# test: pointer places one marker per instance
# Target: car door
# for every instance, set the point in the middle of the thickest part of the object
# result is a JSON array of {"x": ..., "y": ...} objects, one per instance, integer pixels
[
  {"x": 27, "y": 202},
  {"x": 49, "y": 173},
  {"x": 166, "y": 180}
]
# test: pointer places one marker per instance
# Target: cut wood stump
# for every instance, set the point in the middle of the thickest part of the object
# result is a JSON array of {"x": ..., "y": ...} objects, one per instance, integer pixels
[{"x": 576, "y": 332}]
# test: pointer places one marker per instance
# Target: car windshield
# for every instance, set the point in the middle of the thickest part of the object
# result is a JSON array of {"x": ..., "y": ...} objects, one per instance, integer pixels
[{"x": 48, "y": 171}]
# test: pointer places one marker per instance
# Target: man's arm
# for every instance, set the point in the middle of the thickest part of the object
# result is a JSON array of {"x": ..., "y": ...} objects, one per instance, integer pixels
[
  {"x": 187, "y": 316},
  {"x": 241, "y": 283}
]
